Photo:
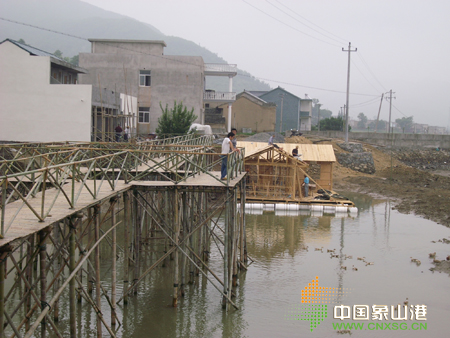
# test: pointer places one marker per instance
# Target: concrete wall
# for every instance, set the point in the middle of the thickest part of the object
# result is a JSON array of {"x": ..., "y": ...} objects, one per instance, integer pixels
[
  {"x": 127, "y": 47},
  {"x": 398, "y": 140},
  {"x": 179, "y": 78},
  {"x": 32, "y": 109},
  {"x": 248, "y": 114}
]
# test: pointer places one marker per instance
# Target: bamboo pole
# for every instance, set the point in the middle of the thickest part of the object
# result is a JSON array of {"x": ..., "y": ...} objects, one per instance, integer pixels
[
  {"x": 90, "y": 276},
  {"x": 2, "y": 288},
  {"x": 176, "y": 240},
  {"x": 72, "y": 266},
  {"x": 126, "y": 215},
  {"x": 62, "y": 288},
  {"x": 97, "y": 268},
  {"x": 136, "y": 227},
  {"x": 30, "y": 279},
  {"x": 225, "y": 255},
  {"x": 114, "y": 262},
  {"x": 56, "y": 267}
]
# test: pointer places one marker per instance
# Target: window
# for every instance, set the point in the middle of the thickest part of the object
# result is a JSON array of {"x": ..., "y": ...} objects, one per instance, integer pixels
[
  {"x": 144, "y": 114},
  {"x": 144, "y": 78}
]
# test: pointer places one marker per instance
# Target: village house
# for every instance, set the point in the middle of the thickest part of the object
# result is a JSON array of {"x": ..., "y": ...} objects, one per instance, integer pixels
[
  {"x": 292, "y": 112},
  {"x": 146, "y": 79},
  {"x": 250, "y": 114},
  {"x": 41, "y": 100}
]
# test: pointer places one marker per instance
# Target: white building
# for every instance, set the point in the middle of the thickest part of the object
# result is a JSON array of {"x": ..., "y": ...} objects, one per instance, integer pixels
[{"x": 40, "y": 98}]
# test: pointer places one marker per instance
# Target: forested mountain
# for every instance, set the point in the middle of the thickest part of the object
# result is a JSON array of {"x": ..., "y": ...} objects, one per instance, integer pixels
[{"x": 83, "y": 20}]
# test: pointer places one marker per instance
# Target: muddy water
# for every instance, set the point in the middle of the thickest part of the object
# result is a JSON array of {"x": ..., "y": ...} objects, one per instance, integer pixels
[{"x": 286, "y": 260}]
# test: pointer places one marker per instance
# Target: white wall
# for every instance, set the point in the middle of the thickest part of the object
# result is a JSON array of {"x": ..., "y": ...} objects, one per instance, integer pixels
[{"x": 32, "y": 109}]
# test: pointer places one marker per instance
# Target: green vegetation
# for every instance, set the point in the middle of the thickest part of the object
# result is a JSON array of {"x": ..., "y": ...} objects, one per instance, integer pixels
[
  {"x": 175, "y": 121},
  {"x": 405, "y": 123},
  {"x": 362, "y": 121},
  {"x": 333, "y": 123},
  {"x": 73, "y": 60}
]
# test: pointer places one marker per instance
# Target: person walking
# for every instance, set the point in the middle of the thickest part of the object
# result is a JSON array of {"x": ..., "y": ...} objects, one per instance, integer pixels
[
  {"x": 118, "y": 130},
  {"x": 227, "y": 147}
]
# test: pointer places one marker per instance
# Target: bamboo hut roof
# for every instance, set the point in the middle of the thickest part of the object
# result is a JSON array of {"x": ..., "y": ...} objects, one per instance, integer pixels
[{"x": 309, "y": 152}]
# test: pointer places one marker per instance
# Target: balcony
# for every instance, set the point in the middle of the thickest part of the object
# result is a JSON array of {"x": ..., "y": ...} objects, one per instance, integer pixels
[
  {"x": 220, "y": 69},
  {"x": 213, "y": 96}
]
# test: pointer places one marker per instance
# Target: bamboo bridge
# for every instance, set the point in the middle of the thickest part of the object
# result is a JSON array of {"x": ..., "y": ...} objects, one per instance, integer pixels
[{"x": 62, "y": 202}]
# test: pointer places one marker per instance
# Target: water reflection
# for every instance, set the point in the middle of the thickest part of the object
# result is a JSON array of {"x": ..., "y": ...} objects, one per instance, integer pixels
[{"x": 286, "y": 259}]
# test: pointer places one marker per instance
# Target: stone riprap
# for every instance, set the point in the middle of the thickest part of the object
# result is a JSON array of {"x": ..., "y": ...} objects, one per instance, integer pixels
[
  {"x": 425, "y": 159},
  {"x": 357, "y": 159},
  {"x": 362, "y": 162},
  {"x": 351, "y": 147}
]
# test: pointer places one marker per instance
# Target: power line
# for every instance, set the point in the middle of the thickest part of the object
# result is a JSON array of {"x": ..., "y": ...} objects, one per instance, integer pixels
[
  {"x": 367, "y": 66},
  {"x": 342, "y": 40},
  {"x": 365, "y": 103},
  {"x": 170, "y": 59},
  {"x": 287, "y": 25},
  {"x": 315, "y": 30},
  {"x": 359, "y": 70},
  {"x": 303, "y": 86}
]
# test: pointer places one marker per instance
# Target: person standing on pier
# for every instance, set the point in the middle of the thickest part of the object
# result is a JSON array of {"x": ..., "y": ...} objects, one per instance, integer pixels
[
  {"x": 306, "y": 183},
  {"x": 118, "y": 132},
  {"x": 227, "y": 147},
  {"x": 234, "y": 140}
]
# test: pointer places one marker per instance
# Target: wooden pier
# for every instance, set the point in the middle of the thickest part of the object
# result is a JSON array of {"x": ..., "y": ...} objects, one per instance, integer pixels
[{"x": 62, "y": 203}]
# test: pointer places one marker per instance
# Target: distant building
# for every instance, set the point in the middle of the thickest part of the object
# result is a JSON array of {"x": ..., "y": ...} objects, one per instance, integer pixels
[
  {"x": 251, "y": 113},
  {"x": 292, "y": 112},
  {"x": 40, "y": 98}
]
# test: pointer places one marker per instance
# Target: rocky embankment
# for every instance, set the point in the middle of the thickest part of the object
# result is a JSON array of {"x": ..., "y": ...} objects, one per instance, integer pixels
[{"x": 424, "y": 159}]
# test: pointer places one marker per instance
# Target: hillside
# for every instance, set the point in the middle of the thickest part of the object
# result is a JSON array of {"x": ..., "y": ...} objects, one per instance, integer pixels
[{"x": 83, "y": 20}]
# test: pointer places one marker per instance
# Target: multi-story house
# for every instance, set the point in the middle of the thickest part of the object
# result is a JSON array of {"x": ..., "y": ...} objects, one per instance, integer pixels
[{"x": 147, "y": 79}]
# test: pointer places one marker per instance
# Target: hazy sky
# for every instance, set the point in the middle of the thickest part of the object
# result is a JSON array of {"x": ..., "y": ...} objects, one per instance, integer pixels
[{"x": 402, "y": 45}]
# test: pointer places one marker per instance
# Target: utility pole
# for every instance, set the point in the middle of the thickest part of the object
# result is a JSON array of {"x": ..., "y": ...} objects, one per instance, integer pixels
[
  {"x": 348, "y": 87},
  {"x": 379, "y": 110},
  {"x": 390, "y": 109},
  {"x": 318, "y": 120},
  {"x": 281, "y": 118}
]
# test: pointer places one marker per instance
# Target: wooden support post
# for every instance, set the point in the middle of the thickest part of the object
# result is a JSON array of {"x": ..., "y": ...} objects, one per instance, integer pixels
[
  {"x": 56, "y": 267},
  {"x": 185, "y": 231},
  {"x": 3, "y": 256},
  {"x": 242, "y": 243},
  {"x": 136, "y": 227},
  {"x": 90, "y": 277},
  {"x": 235, "y": 239},
  {"x": 72, "y": 265},
  {"x": 114, "y": 261},
  {"x": 97, "y": 269},
  {"x": 176, "y": 239},
  {"x": 166, "y": 219},
  {"x": 43, "y": 276},
  {"x": 30, "y": 279},
  {"x": 126, "y": 227},
  {"x": 225, "y": 250}
]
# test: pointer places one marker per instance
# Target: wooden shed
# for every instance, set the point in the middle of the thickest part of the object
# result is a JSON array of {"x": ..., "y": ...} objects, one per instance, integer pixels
[
  {"x": 321, "y": 155},
  {"x": 275, "y": 175}
]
